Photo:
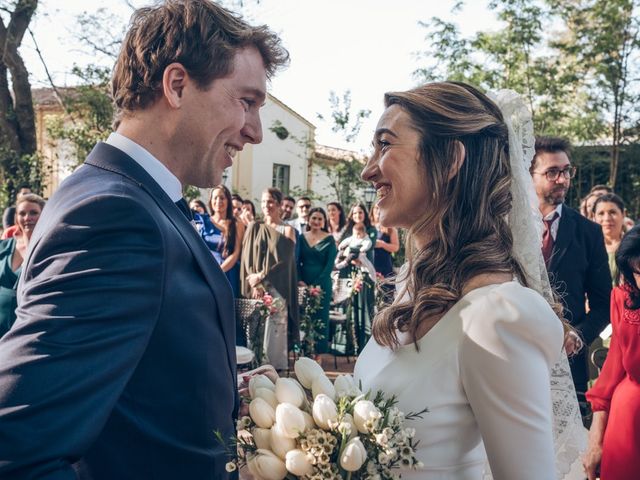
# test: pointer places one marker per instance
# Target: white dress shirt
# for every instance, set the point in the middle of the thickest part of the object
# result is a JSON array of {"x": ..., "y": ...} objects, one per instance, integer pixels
[{"x": 154, "y": 167}]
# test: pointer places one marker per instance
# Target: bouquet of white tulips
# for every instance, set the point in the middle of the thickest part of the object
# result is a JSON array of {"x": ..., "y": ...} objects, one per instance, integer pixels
[{"x": 313, "y": 429}]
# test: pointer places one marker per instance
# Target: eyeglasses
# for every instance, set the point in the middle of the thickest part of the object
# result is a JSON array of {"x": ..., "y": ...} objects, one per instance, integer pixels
[{"x": 553, "y": 173}]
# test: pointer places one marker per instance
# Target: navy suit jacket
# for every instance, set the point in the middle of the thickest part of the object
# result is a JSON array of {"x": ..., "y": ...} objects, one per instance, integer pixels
[
  {"x": 579, "y": 271},
  {"x": 121, "y": 364}
]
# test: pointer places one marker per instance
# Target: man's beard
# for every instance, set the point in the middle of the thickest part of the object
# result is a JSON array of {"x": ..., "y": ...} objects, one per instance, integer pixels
[{"x": 555, "y": 196}]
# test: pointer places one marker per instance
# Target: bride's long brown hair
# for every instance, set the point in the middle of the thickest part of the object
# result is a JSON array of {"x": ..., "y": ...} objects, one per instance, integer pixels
[{"x": 466, "y": 220}]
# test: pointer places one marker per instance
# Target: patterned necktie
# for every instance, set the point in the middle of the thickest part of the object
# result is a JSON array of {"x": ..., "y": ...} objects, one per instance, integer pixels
[
  {"x": 547, "y": 239},
  {"x": 184, "y": 208}
]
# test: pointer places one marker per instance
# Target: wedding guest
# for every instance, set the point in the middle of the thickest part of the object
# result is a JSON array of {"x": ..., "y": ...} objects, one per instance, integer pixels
[
  {"x": 586, "y": 205},
  {"x": 122, "y": 361},
  {"x": 237, "y": 200},
  {"x": 337, "y": 220},
  {"x": 363, "y": 300},
  {"x": 225, "y": 239},
  {"x": 600, "y": 189},
  {"x": 609, "y": 213},
  {"x": 248, "y": 212},
  {"x": 288, "y": 204},
  {"x": 268, "y": 266},
  {"x": 9, "y": 214},
  {"x": 302, "y": 218},
  {"x": 317, "y": 254},
  {"x": 614, "y": 435},
  {"x": 386, "y": 244},
  {"x": 574, "y": 253},
  {"x": 196, "y": 205},
  {"x": 10, "y": 228},
  {"x": 12, "y": 254}
]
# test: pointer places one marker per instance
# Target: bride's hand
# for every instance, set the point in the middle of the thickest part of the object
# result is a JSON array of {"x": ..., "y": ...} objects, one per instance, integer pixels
[
  {"x": 243, "y": 384},
  {"x": 572, "y": 343}
]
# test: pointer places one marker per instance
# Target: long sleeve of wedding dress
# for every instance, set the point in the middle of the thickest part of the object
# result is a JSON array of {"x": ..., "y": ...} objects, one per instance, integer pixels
[{"x": 505, "y": 363}]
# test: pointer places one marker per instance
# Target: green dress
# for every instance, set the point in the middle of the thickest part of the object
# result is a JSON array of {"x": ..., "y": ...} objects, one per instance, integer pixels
[
  {"x": 314, "y": 268},
  {"x": 8, "y": 285},
  {"x": 362, "y": 308}
]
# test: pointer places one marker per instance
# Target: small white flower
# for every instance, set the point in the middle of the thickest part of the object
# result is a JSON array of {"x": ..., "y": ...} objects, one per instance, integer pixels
[{"x": 230, "y": 467}]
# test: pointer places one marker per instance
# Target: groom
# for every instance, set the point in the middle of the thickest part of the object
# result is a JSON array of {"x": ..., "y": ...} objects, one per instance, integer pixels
[{"x": 121, "y": 364}]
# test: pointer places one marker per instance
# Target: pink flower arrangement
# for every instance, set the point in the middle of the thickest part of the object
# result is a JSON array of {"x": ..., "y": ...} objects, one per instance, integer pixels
[{"x": 315, "y": 291}]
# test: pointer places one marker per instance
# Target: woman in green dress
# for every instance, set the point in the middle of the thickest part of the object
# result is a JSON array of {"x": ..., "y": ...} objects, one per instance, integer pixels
[
  {"x": 317, "y": 254},
  {"x": 12, "y": 254}
]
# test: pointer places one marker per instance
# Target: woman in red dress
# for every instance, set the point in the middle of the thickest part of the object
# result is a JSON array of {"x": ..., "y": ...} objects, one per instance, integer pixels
[{"x": 614, "y": 438}]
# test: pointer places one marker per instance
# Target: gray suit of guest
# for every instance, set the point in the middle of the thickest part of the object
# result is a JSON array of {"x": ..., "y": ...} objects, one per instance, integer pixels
[{"x": 121, "y": 364}]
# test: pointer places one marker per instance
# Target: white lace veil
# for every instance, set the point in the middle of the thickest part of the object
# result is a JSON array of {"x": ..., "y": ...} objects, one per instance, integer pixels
[{"x": 525, "y": 222}]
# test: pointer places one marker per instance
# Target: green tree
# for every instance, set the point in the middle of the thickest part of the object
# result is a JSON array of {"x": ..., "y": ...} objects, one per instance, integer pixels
[
  {"x": 604, "y": 35},
  {"x": 18, "y": 147},
  {"x": 344, "y": 177}
]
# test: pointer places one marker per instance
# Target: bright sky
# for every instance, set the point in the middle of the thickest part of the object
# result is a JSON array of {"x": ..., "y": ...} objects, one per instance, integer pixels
[{"x": 367, "y": 46}]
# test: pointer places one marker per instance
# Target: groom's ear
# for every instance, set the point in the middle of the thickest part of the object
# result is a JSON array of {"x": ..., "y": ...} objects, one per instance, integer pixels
[{"x": 458, "y": 160}]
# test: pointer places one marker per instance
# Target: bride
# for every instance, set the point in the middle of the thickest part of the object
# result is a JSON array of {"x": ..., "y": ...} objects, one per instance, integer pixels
[{"x": 473, "y": 335}]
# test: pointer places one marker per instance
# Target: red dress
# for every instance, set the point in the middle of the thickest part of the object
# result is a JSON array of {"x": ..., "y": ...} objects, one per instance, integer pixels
[{"x": 617, "y": 391}]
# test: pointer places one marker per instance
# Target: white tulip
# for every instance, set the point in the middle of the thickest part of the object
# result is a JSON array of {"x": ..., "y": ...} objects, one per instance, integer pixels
[
  {"x": 353, "y": 456},
  {"x": 298, "y": 463},
  {"x": 308, "y": 421},
  {"x": 307, "y": 370},
  {"x": 364, "y": 411},
  {"x": 266, "y": 466},
  {"x": 259, "y": 381},
  {"x": 345, "y": 386},
  {"x": 324, "y": 411},
  {"x": 323, "y": 385},
  {"x": 262, "y": 438},
  {"x": 280, "y": 443},
  {"x": 267, "y": 395},
  {"x": 262, "y": 413},
  {"x": 289, "y": 391},
  {"x": 290, "y": 420}
]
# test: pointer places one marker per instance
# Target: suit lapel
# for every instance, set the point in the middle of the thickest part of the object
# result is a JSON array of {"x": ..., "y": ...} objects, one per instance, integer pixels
[
  {"x": 110, "y": 158},
  {"x": 564, "y": 237}
]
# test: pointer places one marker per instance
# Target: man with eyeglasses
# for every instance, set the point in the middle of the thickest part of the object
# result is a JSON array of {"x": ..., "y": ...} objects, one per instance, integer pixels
[
  {"x": 575, "y": 256},
  {"x": 302, "y": 209}
]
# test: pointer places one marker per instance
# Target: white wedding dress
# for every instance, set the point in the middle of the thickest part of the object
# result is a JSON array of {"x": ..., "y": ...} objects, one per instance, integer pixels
[{"x": 483, "y": 371}]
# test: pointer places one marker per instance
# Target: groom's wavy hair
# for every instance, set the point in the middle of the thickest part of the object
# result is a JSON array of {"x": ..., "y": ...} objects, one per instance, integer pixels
[
  {"x": 466, "y": 217},
  {"x": 199, "y": 34}
]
